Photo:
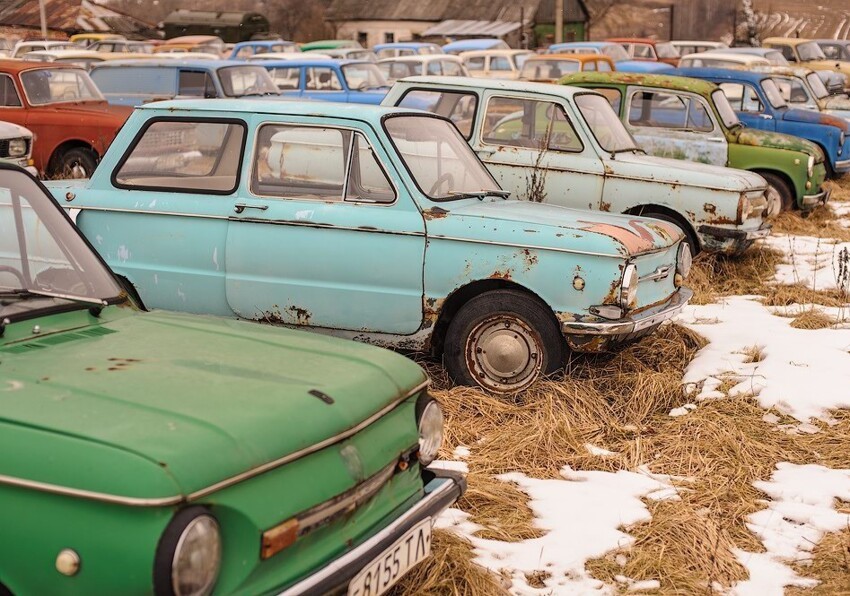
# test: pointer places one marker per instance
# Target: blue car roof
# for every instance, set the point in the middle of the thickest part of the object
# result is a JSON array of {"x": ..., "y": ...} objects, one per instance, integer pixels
[
  {"x": 199, "y": 64},
  {"x": 749, "y": 51},
  {"x": 329, "y": 62},
  {"x": 262, "y": 44},
  {"x": 581, "y": 44},
  {"x": 402, "y": 45},
  {"x": 471, "y": 44},
  {"x": 721, "y": 73}
]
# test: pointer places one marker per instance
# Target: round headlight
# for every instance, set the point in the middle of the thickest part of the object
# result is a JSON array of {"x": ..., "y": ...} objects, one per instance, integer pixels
[
  {"x": 628, "y": 289},
  {"x": 810, "y": 167},
  {"x": 189, "y": 555},
  {"x": 684, "y": 260},
  {"x": 430, "y": 421}
]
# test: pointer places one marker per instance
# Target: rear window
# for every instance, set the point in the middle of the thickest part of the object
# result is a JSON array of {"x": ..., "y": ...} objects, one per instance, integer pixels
[
  {"x": 146, "y": 80},
  {"x": 184, "y": 156},
  {"x": 459, "y": 107}
]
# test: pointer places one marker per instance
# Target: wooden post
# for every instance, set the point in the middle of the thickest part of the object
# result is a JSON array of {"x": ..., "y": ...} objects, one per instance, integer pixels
[
  {"x": 43, "y": 17},
  {"x": 559, "y": 21}
]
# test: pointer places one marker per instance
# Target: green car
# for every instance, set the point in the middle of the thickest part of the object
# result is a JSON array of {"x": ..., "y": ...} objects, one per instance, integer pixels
[
  {"x": 692, "y": 119},
  {"x": 173, "y": 454}
]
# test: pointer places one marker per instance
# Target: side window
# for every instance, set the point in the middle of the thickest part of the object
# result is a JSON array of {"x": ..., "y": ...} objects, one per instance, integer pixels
[
  {"x": 245, "y": 52},
  {"x": 451, "y": 69},
  {"x": 603, "y": 66},
  {"x": 8, "y": 94},
  {"x": 500, "y": 63},
  {"x": 476, "y": 63},
  {"x": 613, "y": 96},
  {"x": 286, "y": 78},
  {"x": 668, "y": 110},
  {"x": 458, "y": 107},
  {"x": 434, "y": 68},
  {"x": 788, "y": 52},
  {"x": 643, "y": 51},
  {"x": 322, "y": 79},
  {"x": 792, "y": 90},
  {"x": 833, "y": 52},
  {"x": 184, "y": 155},
  {"x": 590, "y": 65},
  {"x": 530, "y": 124},
  {"x": 742, "y": 97},
  {"x": 307, "y": 162},
  {"x": 698, "y": 117},
  {"x": 195, "y": 83}
]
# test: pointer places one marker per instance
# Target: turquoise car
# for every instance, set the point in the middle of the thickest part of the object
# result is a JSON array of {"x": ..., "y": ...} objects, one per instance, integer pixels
[{"x": 377, "y": 224}]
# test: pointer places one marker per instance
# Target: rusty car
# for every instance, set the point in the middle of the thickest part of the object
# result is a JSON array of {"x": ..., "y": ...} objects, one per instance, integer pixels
[
  {"x": 793, "y": 167},
  {"x": 372, "y": 223},
  {"x": 565, "y": 146},
  {"x": 72, "y": 122}
]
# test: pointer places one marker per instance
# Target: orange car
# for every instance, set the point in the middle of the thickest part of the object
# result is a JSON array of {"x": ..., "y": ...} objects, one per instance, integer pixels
[
  {"x": 549, "y": 68},
  {"x": 650, "y": 50},
  {"x": 192, "y": 43}
]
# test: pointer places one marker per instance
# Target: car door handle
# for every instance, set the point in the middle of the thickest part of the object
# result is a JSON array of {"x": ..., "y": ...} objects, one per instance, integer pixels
[
  {"x": 240, "y": 207},
  {"x": 485, "y": 153},
  {"x": 715, "y": 140},
  {"x": 765, "y": 116}
]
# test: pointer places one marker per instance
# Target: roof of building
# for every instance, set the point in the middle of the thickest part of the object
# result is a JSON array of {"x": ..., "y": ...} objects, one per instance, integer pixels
[
  {"x": 73, "y": 16},
  {"x": 434, "y": 10}
]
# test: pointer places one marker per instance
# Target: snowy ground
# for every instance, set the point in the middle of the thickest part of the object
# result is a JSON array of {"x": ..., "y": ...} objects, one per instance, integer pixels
[{"x": 803, "y": 375}]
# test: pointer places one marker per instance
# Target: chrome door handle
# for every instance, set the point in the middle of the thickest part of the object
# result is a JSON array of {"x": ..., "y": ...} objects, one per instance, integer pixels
[
  {"x": 240, "y": 207},
  {"x": 715, "y": 140},
  {"x": 765, "y": 116}
]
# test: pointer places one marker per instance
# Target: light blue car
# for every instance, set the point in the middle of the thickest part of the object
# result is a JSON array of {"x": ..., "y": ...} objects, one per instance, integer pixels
[
  {"x": 346, "y": 81},
  {"x": 378, "y": 224},
  {"x": 614, "y": 51}
]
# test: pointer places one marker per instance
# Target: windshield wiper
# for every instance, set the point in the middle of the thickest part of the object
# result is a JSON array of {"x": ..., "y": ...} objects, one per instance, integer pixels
[
  {"x": 22, "y": 293},
  {"x": 480, "y": 194}
]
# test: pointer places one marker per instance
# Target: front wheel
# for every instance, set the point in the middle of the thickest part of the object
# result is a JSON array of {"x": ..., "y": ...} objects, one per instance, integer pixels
[
  {"x": 503, "y": 341},
  {"x": 777, "y": 187},
  {"x": 76, "y": 163}
]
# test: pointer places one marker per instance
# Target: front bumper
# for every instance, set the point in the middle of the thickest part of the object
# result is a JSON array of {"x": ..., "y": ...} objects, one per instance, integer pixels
[
  {"x": 443, "y": 490},
  {"x": 731, "y": 241},
  {"x": 842, "y": 166},
  {"x": 630, "y": 327},
  {"x": 812, "y": 201}
]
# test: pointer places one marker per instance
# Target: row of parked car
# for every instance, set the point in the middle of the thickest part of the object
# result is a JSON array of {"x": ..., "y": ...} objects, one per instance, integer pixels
[{"x": 497, "y": 225}]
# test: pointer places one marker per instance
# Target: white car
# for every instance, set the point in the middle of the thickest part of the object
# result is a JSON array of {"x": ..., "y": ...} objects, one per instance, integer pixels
[
  {"x": 719, "y": 59},
  {"x": 16, "y": 146},
  {"x": 495, "y": 64},
  {"x": 24, "y": 47},
  {"x": 447, "y": 65},
  {"x": 289, "y": 56}
]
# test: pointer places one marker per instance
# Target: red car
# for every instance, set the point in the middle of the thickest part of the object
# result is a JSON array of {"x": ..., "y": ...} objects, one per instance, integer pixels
[
  {"x": 71, "y": 122},
  {"x": 649, "y": 49}
]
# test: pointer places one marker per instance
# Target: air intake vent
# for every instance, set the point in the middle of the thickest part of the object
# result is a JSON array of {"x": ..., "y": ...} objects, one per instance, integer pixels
[{"x": 59, "y": 338}]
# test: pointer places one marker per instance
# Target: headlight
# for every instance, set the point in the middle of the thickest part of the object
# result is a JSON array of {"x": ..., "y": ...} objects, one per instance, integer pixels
[
  {"x": 628, "y": 289},
  {"x": 810, "y": 166},
  {"x": 745, "y": 209},
  {"x": 684, "y": 260},
  {"x": 429, "y": 418},
  {"x": 17, "y": 147},
  {"x": 841, "y": 139},
  {"x": 188, "y": 557}
]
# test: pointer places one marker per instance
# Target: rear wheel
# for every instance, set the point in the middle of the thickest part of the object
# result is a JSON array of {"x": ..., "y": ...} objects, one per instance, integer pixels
[
  {"x": 75, "y": 163},
  {"x": 778, "y": 187},
  {"x": 503, "y": 341}
]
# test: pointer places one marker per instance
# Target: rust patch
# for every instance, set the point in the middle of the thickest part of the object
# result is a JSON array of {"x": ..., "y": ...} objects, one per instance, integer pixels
[
  {"x": 501, "y": 274},
  {"x": 302, "y": 315},
  {"x": 434, "y": 213},
  {"x": 710, "y": 209},
  {"x": 529, "y": 258},
  {"x": 603, "y": 206}
]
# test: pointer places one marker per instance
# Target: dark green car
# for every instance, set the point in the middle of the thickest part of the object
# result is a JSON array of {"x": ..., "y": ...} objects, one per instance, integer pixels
[
  {"x": 173, "y": 454},
  {"x": 692, "y": 119}
]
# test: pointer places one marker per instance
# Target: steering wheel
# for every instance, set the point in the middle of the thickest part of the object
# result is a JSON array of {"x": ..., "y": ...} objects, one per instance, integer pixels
[
  {"x": 16, "y": 272},
  {"x": 445, "y": 178}
]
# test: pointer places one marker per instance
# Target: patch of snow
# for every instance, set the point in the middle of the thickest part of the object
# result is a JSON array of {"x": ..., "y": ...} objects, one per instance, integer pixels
[
  {"x": 461, "y": 452},
  {"x": 684, "y": 410},
  {"x": 813, "y": 262},
  {"x": 582, "y": 515},
  {"x": 803, "y": 373},
  {"x": 594, "y": 450},
  {"x": 453, "y": 466}
]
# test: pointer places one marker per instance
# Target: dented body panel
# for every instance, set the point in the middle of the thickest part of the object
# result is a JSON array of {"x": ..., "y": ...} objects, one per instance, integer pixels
[{"x": 586, "y": 176}]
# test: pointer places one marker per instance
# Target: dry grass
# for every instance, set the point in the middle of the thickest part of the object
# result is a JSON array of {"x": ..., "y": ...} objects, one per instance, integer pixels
[
  {"x": 812, "y": 319},
  {"x": 753, "y": 354},
  {"x": 821, "y": 223},
  {"x": 500, "y": 507},
  {"x": 839, "y": 188},
  {"x": 831, "y": 566},
  {"x": 449, "y": 572}
]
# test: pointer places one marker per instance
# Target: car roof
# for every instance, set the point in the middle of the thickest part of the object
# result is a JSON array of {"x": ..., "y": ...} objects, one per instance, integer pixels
[
  {"x": 739, "y": 58},
  {"x": 745, "y": 51},
  {"x": 173, "y": 62},
  {"x": 262, "y": 43},
  {"x": 572, "y": 57},
  {"x": 403, "y": 44},
  {"x": 495, "y": 52},
  {"x": 472, "y": 44},
  {"x": 788, "y": 71},
  {"x": 422, "y": 58},
  {"x": 495, "y": 84},
  {"x": 791, "y": 41},
  {"x": 661, "y": 81},
  {"x": 723, "y": 73},
  {"x": 15, "y": 66},
  {"x": 365, "y": 112},
  {"x": 296, "y": 63},
  {"x": 645, "y": 40}
]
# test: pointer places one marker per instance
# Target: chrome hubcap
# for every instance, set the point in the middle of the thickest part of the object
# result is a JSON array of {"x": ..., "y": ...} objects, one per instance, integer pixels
[
  {"x": 77, "y": 171},
  {"x": 504, "y": 354}
]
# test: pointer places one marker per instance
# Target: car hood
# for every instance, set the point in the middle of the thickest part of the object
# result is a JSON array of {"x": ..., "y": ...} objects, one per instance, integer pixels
[
  {"x": 813, "y": 117},
  {"x": 777, "y": 140},
  {"x": 149, "y": 405},
  {"x": 538, "y": 225},
  {"x": 684, "y": 173},
  {"x": 96, "y": 109},
  {"x": 13, "y": 131}
]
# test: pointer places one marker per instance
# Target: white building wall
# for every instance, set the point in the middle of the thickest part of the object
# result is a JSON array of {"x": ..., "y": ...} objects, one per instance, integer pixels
[{"x": 376, "y": 30}]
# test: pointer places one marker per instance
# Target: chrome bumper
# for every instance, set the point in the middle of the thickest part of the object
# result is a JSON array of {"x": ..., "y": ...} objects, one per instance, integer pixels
[
  {"x": 843, "y": 165},
  {"x": 812, "y": 201},
  {"x": 735, "y": 233},
  {"x": 443, "y": 490},
  {"x": 633, "y": 324}
]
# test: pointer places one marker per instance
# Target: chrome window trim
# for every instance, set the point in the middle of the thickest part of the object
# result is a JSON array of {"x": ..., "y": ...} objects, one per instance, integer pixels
[
  {"x": 553, "y": 99},
  {"x": 100, "y": 96},
  {"x": 633, "y": 89},
  {"x": 177, "y": 499}
]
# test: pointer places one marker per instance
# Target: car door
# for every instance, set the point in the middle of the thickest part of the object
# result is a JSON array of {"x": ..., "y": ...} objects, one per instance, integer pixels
[
  {"x": 326, "y": 234},
  {"x": 533, "y": 149},
  {"x": 669, "y": 123},
  {"x": 11, "y": 104},
  {"x": 747, "y": 103}
]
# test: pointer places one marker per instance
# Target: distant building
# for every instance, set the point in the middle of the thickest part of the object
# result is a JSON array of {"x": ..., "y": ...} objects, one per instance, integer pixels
[
  {"x": 518, "y": 22},
  {"x": 20, "y": 19}
]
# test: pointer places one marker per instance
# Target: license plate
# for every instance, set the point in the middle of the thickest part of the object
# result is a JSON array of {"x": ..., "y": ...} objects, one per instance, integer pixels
[{"x": 387, "y": 568}]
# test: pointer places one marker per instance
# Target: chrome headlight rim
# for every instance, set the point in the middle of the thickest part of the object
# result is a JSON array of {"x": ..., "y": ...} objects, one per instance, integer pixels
[
  {"x": 177, "y": 537},
  {"x": 628, "y": 286},
  {"x": 20, "y": 145},
  {"x": 429, "y": 424},
  {"x": 684, "y": 260}
]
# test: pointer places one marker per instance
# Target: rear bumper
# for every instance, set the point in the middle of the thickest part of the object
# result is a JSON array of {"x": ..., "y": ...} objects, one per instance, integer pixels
[
  {"x": 443, "y": 490},
  {"x": 812, "y": 201},
  {"x": 842, "y": 166},
  {"x": 638, "y": 323}
]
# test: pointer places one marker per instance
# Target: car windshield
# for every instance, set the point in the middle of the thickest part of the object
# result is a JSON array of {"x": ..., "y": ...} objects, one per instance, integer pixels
[
  {"x": 441, "y": 162},
  {"x": 616, "y": 52},
  {"x": 774, "y": 96},
  {"x": 55, "y": 85},
  {"x": 535, "y": 70},
  {"x": 44, "y": 262},
  {"x": 666, "y": 50},
  {"x": 816, "y": 83},
  {"x": 241, "y": 81},
  {"x": 363, "y": 76},
  {"x": 810, "y": 51},
  {"x": 608, "y": 130},
  {"x": 724, "y": 108},
  {"x": 776, "y": 58}
]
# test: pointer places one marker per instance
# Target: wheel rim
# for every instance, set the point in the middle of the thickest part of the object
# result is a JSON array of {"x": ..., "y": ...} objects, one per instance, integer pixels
[
  {"x": 776, "y": 196},
  {"x": 76, "y": 170},
  {"x": 504, "y": 354}
]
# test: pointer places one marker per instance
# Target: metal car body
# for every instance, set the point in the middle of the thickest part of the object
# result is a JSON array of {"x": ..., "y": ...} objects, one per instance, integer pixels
[
  {"x": 222, "y": 455},
  {"x": 804, "y": 88},
  {"x": 16, "y": 146},
  {"x": 696, "y": 46},
  {"x": 245, "y": 49},
  {"x": 415, "y": 240},
  {"x": 84, "y": 40},
  {"x": 549, "y": 68},
  {"x": 82, "y": 58},
  {"x": 299, "y": 55},
  {"x": 192, "y": 43},
  {"x": 808, "y": 53},
  {"x": 405, "y": 48},
  {"x": 22, "y": 47},
  {"x": 722, "y": 59},
  {"x": 797, "y": 163},
  {"x": 71, "y": 121},
  {"x": 329, "y": 44},
  {"x": 614, "y": 51},
  {"x": 773, "y": 56},
  {"x": 446, "y": 65},
  {"x": 718, "y": 209},
  {"x": 362, "y": 54},
  {"x": 759, "y": 104},
  {"x": 835, "y": 49},
  {"x": 125, "y": 46},
  {"x": 652, "y": 50},
  {"x": 346, "y": 81},
  {"x": 495, "y": 64},
  {"x": 134, "y": 82},
  {"x": 475, "y": 44}
]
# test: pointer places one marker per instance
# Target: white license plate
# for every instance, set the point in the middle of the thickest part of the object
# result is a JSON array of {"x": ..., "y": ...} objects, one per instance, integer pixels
[{"x": 385, "y": 570}]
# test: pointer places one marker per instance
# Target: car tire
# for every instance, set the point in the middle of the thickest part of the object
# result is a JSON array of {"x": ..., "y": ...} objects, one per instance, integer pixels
[
  {"x": 520, "y": 333},
  {"x": 690, "y": 237},
  {"x": 777, "y": 184},
  {"x": 76, "y": 163}
]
